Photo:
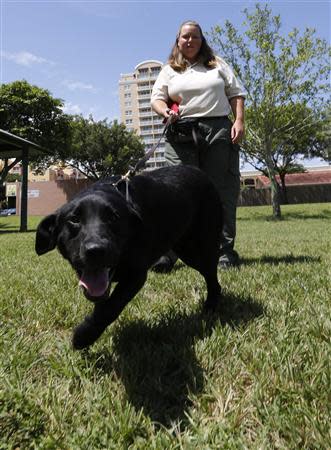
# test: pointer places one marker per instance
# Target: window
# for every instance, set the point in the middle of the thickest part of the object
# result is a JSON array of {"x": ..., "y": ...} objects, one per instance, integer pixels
[
  {"x": 142, "y": 73},
  {"x": 249, "y": 182},
  {"x": 155, "y": 70},
  {"x": 128, "y": 112},
  {"x": 143, "y": 85}
]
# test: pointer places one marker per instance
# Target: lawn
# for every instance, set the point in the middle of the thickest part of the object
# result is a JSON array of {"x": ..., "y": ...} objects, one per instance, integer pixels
[{"x": 256, "y": 375}]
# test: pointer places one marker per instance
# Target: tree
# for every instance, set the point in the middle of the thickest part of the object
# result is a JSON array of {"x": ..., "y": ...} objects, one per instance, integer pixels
[
  {"x": 310, "y": 141},
  {"x": 33, "y": 114},
  {"x": 101, "y": 148},
  {"x": 281, "y": 75}
]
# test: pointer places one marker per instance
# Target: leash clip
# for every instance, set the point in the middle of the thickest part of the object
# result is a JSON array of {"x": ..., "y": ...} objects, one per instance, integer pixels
[{"x": 141, "y": 163}]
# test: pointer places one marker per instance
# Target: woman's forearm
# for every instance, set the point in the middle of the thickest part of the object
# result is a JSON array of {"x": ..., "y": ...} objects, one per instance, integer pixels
[
  {"x": 237, "y": 106},
  {"x": 160, "y": 107},
  {"x": 238, "y": 128}
]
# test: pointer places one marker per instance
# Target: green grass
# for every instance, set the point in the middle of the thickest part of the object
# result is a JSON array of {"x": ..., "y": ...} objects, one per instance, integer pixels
[{"x": 254, "y": 376}]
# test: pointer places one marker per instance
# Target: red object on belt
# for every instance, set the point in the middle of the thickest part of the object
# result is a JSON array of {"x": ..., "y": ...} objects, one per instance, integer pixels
[{"x": 174, "y": 107}]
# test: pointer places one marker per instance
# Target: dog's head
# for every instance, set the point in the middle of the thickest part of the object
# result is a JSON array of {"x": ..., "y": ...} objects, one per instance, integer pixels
[{"x": 91, "y": 232}]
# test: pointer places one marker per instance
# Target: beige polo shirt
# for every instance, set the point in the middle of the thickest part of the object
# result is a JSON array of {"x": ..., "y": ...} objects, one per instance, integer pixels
[{"x": 201, "y": 92}]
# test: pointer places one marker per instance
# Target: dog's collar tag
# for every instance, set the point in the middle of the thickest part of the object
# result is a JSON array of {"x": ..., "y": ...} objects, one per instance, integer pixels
[
  {"x": 125, "y": 178},
  {"x": 127, "y": 189}
]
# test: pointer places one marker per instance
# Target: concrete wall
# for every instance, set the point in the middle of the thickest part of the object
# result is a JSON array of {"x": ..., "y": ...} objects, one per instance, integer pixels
[
  {"x": 317, "y": 193},
  {"x": 44, "y": 197}
]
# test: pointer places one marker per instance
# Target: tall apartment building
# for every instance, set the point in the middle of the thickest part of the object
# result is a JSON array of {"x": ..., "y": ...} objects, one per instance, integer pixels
[{"x": 135, "y": 107}]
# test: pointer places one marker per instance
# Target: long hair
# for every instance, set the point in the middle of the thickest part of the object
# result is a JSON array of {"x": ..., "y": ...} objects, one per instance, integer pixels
[{"x": 205, "y": 56}]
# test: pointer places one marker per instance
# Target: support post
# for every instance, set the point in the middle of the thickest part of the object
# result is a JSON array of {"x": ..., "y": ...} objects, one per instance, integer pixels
[{"x": 24, "y": 189}]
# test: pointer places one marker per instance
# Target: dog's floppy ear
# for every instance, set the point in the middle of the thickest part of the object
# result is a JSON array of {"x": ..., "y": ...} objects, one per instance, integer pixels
[{"x": 46, "y": 235}]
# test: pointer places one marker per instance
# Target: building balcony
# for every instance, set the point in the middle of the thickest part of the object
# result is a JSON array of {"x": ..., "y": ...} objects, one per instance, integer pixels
[
  {"x": 150, "y": 142},
  {"x": 144, "y": 104},
  {"x": 143, "y": 87},
  {"x": 144, "y": 96},
  {"x": 145, "y": 114},
  {"x": 153, "y": 160},
  {"x": 151, "y": 77}
]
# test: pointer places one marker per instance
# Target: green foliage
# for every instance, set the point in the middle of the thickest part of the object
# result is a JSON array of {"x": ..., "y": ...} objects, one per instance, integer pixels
[
  {"x": 33, "y": 114},
  {"x": 286, "y": 78},
  {"x": 12, "y": 177},
  {"x": 96, "y": 148},
  {"x": 255, "y": 375},
  {"x": 102, "y": 148}
]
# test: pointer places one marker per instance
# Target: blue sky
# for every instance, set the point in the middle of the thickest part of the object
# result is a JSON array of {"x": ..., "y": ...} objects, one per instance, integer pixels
[{"x": 78, "y": 49}]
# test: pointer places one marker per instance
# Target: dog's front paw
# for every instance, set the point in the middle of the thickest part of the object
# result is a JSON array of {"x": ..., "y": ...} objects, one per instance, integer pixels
[
  {"x": 213, "y": 303},
  {"x": 85, "y": 334}
]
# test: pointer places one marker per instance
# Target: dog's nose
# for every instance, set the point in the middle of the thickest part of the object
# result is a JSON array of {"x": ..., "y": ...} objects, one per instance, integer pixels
[{"x": 95, "y": 251}]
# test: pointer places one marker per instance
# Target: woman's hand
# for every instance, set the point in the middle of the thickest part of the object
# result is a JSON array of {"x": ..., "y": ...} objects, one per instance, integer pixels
[
  {"x": 174, "y": 116},
  {"x": 161, "y": 108},
  {"x": 237, "y": 131}
]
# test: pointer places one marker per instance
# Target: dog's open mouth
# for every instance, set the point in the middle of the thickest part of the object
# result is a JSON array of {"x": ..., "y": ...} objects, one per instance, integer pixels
[{"x": 95, "y": 284}]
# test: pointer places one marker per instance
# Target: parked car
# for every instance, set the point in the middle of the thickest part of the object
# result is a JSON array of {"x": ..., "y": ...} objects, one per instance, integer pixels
[{"x": 8, "y": 212}]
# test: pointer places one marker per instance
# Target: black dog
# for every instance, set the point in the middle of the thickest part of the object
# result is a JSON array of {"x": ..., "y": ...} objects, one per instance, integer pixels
[{"x": 107, "y": 237}]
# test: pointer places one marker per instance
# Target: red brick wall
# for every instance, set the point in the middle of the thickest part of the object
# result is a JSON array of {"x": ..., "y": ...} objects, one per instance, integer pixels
[{"x": 51, "y": 195}]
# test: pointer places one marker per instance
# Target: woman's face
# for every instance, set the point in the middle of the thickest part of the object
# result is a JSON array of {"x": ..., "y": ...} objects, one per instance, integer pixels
[{"x": 189, "y": 42}]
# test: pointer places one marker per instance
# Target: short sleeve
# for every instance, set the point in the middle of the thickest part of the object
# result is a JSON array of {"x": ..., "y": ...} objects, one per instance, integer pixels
[
  {"x": 233, "y": 85},
  {"x": 160, "y": 88}
]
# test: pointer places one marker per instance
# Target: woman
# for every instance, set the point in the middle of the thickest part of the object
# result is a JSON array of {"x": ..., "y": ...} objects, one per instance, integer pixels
[{"x": 201, "y": 133}]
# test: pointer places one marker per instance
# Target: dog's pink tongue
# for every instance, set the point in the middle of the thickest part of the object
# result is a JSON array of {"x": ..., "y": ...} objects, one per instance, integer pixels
[{"x": 96, "y": 284}]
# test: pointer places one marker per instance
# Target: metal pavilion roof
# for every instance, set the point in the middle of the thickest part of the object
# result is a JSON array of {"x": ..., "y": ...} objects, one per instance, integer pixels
[
  {"x": 11, "y": 146},
  {"x": 15, "y": 147}
]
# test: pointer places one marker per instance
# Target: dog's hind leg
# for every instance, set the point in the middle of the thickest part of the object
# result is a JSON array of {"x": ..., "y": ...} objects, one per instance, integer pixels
[
  {"x": 214, "y": 291},
  {"x": 106, "y": 311},
  {"x": 205, "y": 261}
]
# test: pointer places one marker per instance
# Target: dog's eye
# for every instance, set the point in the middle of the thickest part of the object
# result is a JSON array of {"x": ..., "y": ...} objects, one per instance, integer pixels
[
  {"x": 73, "y": 221},
  {"x": 112, "y": 216}
]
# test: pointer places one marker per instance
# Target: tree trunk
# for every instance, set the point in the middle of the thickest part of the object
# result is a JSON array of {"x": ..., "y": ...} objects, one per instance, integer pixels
[
  {"x": 2, "y": 193},
  {"x": 284, "y": 190},
  {"x": 4, "y": 172},
  {"x": 275, "y": 197}
]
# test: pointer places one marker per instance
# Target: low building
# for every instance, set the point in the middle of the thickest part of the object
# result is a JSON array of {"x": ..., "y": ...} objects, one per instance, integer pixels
[
  {"x": 312, "y": 186},
  {"x": 47, "y": 191},
  {"x": 60, "y": 172}
]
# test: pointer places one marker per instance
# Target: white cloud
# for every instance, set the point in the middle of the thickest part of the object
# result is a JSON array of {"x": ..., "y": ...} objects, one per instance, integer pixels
[
  {"x": 86, "y": 111},
  {"x": 78, "y": 85},
  {"x": 24, "y": 58},
  {"x": 70, "y": 108}
]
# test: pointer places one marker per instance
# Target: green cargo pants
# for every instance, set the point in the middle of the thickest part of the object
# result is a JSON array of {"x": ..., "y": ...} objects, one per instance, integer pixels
[{"x": 219, "y": 158}]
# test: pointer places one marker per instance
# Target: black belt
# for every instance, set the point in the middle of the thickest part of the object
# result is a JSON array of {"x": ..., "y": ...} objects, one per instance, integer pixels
[{"x": 187, "y": 128}]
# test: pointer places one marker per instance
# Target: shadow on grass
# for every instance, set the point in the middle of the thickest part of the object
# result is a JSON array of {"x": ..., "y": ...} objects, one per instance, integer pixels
[
  {"x": 275, "y": 260},
  {"x": 157, "y": 362},
  {"x": 287, "y": 215},
  {"x": 324, "y": 214},
  {"x": 16, "y": 231},
  {"x": 3, "y": 226}
]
